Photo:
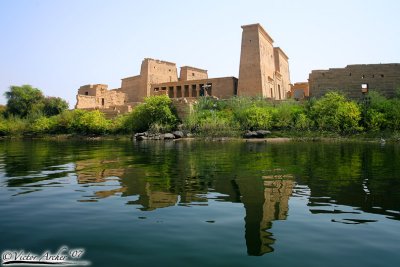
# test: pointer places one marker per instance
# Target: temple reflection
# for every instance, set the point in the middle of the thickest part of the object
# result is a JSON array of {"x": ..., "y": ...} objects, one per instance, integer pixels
[
  {"x": 262, "y": 209},
  {"x": 265, "y": 198}
]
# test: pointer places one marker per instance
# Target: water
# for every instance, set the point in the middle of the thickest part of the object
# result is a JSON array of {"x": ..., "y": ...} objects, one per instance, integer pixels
[{"x": 193, "y": 203}]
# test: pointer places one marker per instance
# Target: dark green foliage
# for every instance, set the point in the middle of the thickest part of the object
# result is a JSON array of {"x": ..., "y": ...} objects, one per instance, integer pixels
[
  {"x": 381, "y": 113},
  {"x": 28, "y": 102},
  {"x": 393, "y": 114},
  {"x": 22, "y": 100},
  {"x": 54, "y": 106}
]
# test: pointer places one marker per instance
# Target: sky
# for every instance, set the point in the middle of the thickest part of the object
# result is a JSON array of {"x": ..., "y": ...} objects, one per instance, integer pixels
[{"x": 59, "y": 45}]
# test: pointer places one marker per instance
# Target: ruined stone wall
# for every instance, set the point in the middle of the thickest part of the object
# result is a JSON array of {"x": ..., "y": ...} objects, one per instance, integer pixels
[
  {"x": 384, "y": 78},
  {"x": 85, "y": 102},
  {"x": 189, "y": 73},
  {"x": 91, "y": 89},
  {"x": 97, "y": 96}
]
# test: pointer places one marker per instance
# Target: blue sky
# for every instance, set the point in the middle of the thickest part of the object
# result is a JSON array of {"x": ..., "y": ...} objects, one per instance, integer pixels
[{"x": 58, "y": 46}]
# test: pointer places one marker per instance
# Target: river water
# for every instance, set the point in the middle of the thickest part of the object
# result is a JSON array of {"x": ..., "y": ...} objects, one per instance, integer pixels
[{"x": 196, "y": 203}]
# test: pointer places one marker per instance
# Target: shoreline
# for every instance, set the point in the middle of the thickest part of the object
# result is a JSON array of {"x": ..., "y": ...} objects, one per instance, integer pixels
[{"x": 125, "y": 137}]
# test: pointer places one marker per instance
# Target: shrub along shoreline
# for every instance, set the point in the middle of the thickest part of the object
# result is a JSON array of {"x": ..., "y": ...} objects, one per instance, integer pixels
[{"x": 332, "y": 116}]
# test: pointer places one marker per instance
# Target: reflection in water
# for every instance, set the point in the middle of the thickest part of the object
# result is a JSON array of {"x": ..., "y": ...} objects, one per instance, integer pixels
[
  {"x": 263, "y": 208},
  {"x": 261, "y": 176}
]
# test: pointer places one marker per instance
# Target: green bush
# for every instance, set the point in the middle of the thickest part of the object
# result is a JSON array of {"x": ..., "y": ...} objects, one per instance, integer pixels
[
  {"x": 379, "y": 113},
  {"x": 118, "y": 124},
  {"x": 217, "y": 126},
  {"x": 255, "y": 118},
  {"x": 393, "y": 114},
  {"x": 92, "y": 122},
  {"x": 375, "y": 120},
  {"x": 212, "y": 118},
  {"x": 285, "y": 115},
  {"x": 67, "y": 121},
  {"x": 302, "y": 122},
  {"x": 44, "y": 125},
  {"x": 13, "y": 126},
  {"x": 155, "y": 109},
  {"x": 334, "y": 113},
  {"x": 3, "y": 127}
]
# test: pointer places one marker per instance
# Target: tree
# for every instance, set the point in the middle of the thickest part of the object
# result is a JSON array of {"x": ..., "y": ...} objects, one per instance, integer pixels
[
  {"x": 54, "y": 106},
  {"x": 21, "y": 100}
]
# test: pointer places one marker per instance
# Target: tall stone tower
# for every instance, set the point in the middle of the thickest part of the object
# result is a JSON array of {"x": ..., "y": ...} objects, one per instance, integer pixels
[{"x": 261, "y": 65}]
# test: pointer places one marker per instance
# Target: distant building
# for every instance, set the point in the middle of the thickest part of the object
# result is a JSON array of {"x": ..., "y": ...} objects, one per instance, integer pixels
[
  {"x": 384, "y": 78},
  {"x": 300, "y": 90},
  {"x": 263, "y": 71}
]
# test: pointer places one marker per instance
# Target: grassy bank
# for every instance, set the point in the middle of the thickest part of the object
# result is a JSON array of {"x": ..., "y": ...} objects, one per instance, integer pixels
[{"x": 332, "y": 116}]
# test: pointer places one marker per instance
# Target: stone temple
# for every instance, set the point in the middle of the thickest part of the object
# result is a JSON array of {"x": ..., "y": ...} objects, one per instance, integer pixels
[{"x": 263, "y": 71}]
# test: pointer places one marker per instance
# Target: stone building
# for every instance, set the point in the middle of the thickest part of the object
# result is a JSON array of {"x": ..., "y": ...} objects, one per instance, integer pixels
[
  {"x": 264, "y": 71},
  {"x": 384, "y": 78},
  {"x": 300, "y": 90}
]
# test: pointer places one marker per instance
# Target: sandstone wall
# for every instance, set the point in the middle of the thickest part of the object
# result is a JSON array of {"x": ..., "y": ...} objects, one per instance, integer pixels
[
  {"x": 91, "y": 89},
  {"x": 282, "y": 86},
  {"x": 384, "y": 78},
  {"x": 85, "y": 102},
  {"x": 267, "y": 64},
  {"x": 133, "y": 87},
  {"x": 189, "y": 73},
  {"x": 250, "y": 82},
  {"x": 223, "y": 88},
  {"x": 97, "y": 96},
  {"x": 157, "y": 71},
  {"x": 152, "y": 71},
  {"x": 219, "y": 87},
  {"x": 264, "y": 70}
]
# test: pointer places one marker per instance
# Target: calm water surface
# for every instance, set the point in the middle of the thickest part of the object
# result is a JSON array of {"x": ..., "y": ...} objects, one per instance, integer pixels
[{"x": 203, "y": 204}]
